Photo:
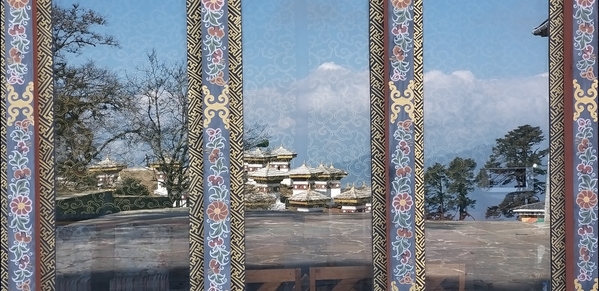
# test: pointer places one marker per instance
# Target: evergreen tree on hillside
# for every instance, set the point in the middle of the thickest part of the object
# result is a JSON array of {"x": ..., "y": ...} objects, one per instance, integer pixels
[
  {"x": 447, "y": 189},
  {"x": 512, "y": 162},
  {"x": 462, "y": 181}
]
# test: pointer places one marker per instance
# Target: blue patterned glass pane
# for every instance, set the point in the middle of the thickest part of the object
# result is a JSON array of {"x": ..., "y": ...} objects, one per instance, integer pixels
[
  {"x": 486, "y": 92},
  {"x": 120, "y": 70},
  {"x": 306, "y": 91}
]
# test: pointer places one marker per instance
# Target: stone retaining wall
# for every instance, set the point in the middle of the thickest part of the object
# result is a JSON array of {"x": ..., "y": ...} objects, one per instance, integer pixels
[{"x": 91, "y": 205}]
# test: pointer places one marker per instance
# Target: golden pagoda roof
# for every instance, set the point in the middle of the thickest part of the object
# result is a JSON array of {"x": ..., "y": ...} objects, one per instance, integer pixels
[
  {"x": 107, "y": 164},
  {"x": 268, "y": 172},
  {"x": 257, "y": 197},
  {"x": 331, "y": 171},
  {"x": 309, "y": 195},
  {"x": 165, "y": 161},
  {"x": 353, "y": 194},
  {"x": 304, "y": 170},
  {"x": 281, "y": 151}
]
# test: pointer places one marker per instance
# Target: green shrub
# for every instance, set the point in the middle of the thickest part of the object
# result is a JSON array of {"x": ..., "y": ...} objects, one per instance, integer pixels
[{"x": 132, "y": 187}]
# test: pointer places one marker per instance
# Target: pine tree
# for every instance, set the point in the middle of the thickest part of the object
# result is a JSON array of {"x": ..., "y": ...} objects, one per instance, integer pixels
[
  {"x": 512, "y": 159},
  {"x": 447, "y": 189}
]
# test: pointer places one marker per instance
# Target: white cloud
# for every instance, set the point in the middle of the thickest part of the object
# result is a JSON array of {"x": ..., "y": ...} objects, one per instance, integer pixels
[
  {"x": 329, "y": 104},
  {"x": 330, "y": 66},
  {"x": 325, "y": 116},
  {"x": 462, "y": 111}
]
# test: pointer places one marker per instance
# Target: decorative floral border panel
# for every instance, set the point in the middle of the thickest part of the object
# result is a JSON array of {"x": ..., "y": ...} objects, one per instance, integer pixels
[
  {"x": 216, "y": 136},
  {"x": 584, "y": 141},
  {"x": 404, "y": 144},
  {"x": 20, "y": 145}
]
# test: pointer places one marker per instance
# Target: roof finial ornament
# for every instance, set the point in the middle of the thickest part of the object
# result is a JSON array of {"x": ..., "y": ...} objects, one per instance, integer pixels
[{"x": 107, "y": 157}]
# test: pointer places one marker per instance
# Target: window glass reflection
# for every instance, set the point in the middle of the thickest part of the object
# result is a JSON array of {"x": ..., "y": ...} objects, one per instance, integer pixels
[
  {"x": 120, "y": 81},
  {"x": 306, "y": 92},
  {"x": 486, "y": 144}
]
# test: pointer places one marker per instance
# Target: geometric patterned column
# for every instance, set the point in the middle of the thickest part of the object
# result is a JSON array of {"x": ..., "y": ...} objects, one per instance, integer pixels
[
  {"x": 404, "y": 141},
  {"x": 581, "y": 144},
  {"x": 556, "y": 174},
  {"x": 19, "y": 160},
  {"x": 216, "y": 133},
  {"x": 27, "y": 148},
  {"x": 216, "y": 137}
]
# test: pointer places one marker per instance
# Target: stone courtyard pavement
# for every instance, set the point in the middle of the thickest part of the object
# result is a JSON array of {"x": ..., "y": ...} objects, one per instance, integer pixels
[{"x": 148, "y": 250}]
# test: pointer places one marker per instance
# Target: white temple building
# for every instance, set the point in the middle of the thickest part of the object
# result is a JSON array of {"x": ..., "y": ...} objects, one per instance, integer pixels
[
  {"x": 324, "y": 179},
  {"x": 107, "y": 172},
  {"x": 269, "y": 173},
  {"x": 270, "y": 178},
  {"x": 279, "y": 159}
]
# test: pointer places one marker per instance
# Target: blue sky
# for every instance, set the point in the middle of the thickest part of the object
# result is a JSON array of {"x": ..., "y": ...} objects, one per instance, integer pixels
[
  {"x": 139, "y": 26},
  {"x": 492, "y": 39},
  {"x": 306, "y": 70}
]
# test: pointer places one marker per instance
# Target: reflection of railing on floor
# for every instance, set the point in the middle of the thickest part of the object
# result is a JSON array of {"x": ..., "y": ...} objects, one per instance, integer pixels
[
  {"x": 331, "y": 278},
  {"x": 272, "y": 279},
  {"x": 437, "y": 273},
  {"x": 182, "y": 203},
  {"x": 158, "y": 282},
  {"x": 343, "y": 278},
  {"x": 81, "y": 283},
  {"x": 347, "y": 276}
]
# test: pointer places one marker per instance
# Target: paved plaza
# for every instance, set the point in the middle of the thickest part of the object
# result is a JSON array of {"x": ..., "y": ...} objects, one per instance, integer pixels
[{"x": 150, "y": 248}]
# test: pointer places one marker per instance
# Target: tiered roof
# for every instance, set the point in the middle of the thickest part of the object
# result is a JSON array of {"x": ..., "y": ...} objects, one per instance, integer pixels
[
  {"x": 255, "y": 153},
  {"x": 304, "y": 171},
  {"x": 281, "y": 151},
  {"x": 331, "y": 172},
  {"x": 365, "y": 188},
  {"x": 278, "y": 153},
  {"x": 256, "y": 197},
  {"x": 309, "y": 197},
  {"x": 268, "y": 173},
  {"x": 107, "y": 165},
  {"x": 353, "y": 196},
  {"x": 542, "y": 30}
]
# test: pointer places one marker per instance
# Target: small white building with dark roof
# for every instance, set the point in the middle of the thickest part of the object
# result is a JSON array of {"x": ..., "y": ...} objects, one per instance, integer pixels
[
  {"x": 353, "y": 200},
  {"x": 267, "y": 179},
  {"x": 107, "y": 171},
  {"x": 309, "y": 200},
  {"x": 531, "y": 213},
  {"x": 303, "y": 177},
  {"x": 329, "y": 181}
]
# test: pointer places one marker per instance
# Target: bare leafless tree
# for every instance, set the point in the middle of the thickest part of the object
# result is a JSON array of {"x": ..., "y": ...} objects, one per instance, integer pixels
[
  {"x": 160, "y": 92},
  {"x": 89, "y": 99}
]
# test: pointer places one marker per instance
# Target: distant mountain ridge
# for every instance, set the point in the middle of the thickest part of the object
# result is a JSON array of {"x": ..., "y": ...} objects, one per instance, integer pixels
[{"x": 480, "y": 154}]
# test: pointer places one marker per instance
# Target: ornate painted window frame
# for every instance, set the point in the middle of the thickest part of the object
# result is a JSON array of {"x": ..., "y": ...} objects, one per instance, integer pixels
[{"x": 216, "y": 113}]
